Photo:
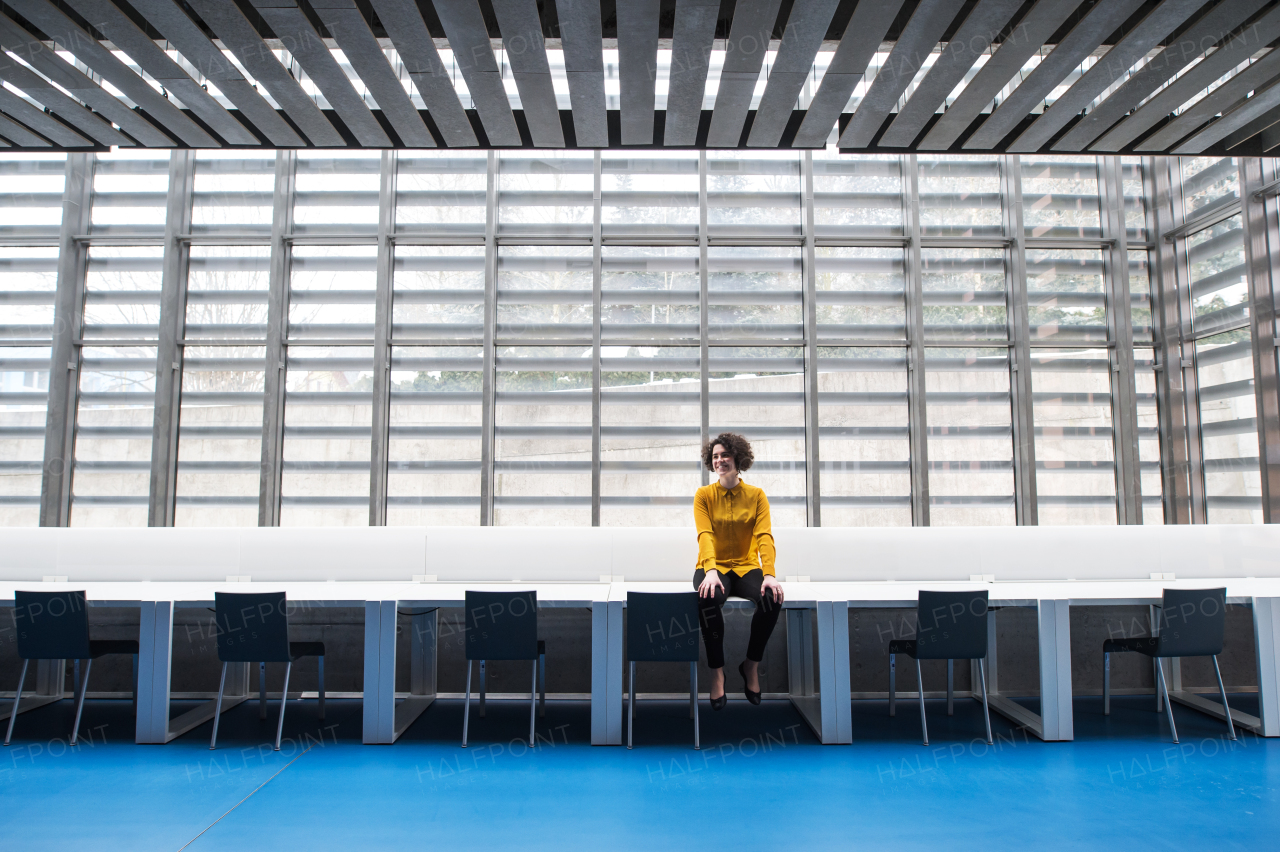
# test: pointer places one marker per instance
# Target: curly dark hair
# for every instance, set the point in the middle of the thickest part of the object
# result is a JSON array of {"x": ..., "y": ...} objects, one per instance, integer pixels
[{"x": 738, "y": 447}]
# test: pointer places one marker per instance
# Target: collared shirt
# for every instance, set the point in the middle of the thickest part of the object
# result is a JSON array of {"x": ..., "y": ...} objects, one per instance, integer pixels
[{"x": 734, "y": 530}]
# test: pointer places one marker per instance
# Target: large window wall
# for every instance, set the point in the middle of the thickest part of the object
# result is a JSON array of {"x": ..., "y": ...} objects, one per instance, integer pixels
[{"x": 547, "y": 338}]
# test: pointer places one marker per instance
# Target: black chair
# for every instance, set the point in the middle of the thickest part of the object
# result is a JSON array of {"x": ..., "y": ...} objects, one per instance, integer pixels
[
  {"x": 503, "y": 626},
  {"x": 1192, "y": 623},
  {"x": 254, "y": 628},
  {"x": 55, "y": 626},
  {"x": 663, "y": 628},
  {"x": 949, "y": 626}
]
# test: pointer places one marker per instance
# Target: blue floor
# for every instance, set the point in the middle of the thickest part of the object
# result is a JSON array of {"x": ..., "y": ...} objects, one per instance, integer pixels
[{"x": 760, "y": 781}]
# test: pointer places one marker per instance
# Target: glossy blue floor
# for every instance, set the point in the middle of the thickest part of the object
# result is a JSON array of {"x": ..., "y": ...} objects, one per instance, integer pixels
[{"x": 760, "y": 781}]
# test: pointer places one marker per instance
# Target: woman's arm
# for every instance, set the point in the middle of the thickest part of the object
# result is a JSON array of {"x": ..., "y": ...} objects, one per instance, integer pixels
[
  {"x": 706, "y": 537},
  {"x": 763, "y": 534}
]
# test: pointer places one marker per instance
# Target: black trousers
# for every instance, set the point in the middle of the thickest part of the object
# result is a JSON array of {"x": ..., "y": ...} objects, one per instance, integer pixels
[{"x": 711, "y": 616}]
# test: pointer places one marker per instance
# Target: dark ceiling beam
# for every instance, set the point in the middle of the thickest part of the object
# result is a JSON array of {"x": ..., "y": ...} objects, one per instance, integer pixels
[
  {"x": 691, "y": 43},
  {"x": 526, "y": 51},
  {"x": 801, "y": 39},
  {"x": 349, "y": 28},
  {"x": 70, "y": 111},
  {"x": 1221, "y": 100},
  {"x": 469, "y": 38},
  {"x": 581, "y": 39},
  {"x": 1258, "y": 106},
  {"x": 1083, "y": 40},
  {"x": 190, "y": 40},
  {"x": 861, "y": 40},
  {"x": 1027, "y": 38},
  {"x": 1135, "y": 45},
  {"x": 1263, "y": 127},
  {"x": 1236, "y": 50},
  {"x": 753, "y": 22},
  {"x": 74, "y": 40},
  {"x": 122, "y": 32},
  {"x": 403, "y": 23},
  {"x": 242, "y": 39},
  {"x": 40, "y": 121},
  {"x": 929, "y": 21},
  {"x": 19, "y": 135},
  {"x": 1191, "y": 44},
  {"x": 18, "y": 41},
  {"x": 637, "y": 68},
  {"x": 971, "y": 40}
]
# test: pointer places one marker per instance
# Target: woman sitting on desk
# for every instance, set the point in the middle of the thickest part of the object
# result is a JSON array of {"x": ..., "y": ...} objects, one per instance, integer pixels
[{"x": 735, "y": 557}]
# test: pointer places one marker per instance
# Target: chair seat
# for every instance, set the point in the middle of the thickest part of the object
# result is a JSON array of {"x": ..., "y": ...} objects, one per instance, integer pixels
[
  {"x": 1142, "y": 644},
  {"x": 103, "y": 647},
  {"x": 903, "y": 646},
  {"x": 297, "y": 650}
]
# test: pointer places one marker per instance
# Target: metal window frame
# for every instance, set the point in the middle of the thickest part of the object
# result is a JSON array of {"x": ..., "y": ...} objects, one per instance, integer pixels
[
  {"x": 913, "y": 286},
  {"x": 1022, "y": 415},
  {"x": 270, "y": 480},
  {"x": 379, "y": 452}
]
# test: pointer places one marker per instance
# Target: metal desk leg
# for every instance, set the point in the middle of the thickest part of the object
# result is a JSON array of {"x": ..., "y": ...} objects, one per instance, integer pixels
[
  {"x": 606, "y": 672},
  {"x": 1054, "y": 722},
  {"x": 828, "y": 712},
  {"x": 384, "y": 721},
  {"x": 1266, "y": 633}
]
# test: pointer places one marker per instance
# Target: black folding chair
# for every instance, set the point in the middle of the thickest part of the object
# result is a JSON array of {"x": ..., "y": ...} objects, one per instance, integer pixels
[
  {"x": 55, "y": 626},
  {"x": 254, "y": 628},
  {"x": 1192, "y": 623},
  {"x": 949, "y": 626},
  {"x": 503, "y": 626},
  {"x": 663, "y": 628}
]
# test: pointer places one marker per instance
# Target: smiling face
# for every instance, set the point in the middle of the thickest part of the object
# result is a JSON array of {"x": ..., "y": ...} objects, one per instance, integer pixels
[{"x": 722, "y": 461}]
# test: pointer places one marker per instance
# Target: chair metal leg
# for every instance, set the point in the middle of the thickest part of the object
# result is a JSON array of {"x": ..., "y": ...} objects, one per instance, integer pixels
[
  {"x": 986, "y": 711},
  {"x": 1159, "y": 701},
  {"x": 1106, "y": 683},
  {"x": 321, "y": 659},
  {"x": 83, "y": 687},
  {"x": 75, "y": 681},
  {"x": 693, "y": 699},
  {"x": 262, "y": 690},
  {"x": 951, "y": 680},
  {"x": 1231, "y": 728},
  {"x": 284, "y": 701},
  {"x": 893, "y": 690},
  {"x": 1163, "y": 693},
  {"x": 924, "y": 726},
  {"x": 482, "y": 662},
  {"x": 17, "y": 696},
  {"x": 217, "y": 709},
  {"x": 533, "y": 699},
  {"x": 466, "y": 707},
  {"x": 542, "y": 685},
  {"x": 631, "y": 704}
]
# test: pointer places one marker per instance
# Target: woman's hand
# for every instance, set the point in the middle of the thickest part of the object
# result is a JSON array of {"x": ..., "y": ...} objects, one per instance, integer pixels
[
  {"x": 771, "y": 583},
  {"x": 710, "y": 583}
]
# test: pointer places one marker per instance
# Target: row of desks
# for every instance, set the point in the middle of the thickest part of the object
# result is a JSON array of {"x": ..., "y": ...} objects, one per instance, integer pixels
[{"x": 818, "y": 669}]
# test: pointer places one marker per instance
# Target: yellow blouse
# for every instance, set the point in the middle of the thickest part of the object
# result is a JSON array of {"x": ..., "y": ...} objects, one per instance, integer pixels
[{"x": 734, "y": 530}]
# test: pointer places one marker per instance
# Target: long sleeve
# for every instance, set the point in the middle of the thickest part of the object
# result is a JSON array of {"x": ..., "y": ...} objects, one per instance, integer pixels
[
  {"x": 763, "y": 535},
  {"x": 706, "y": 537}
]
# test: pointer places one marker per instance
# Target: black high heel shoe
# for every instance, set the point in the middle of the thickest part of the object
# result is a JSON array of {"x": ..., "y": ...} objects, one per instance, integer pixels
[
  {"x": 719, "y": 703},
  {"x": 753, "y": 697}
]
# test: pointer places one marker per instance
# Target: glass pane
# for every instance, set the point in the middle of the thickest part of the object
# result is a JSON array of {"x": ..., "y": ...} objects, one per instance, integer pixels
[
  {"x": 650, "y": 435},
  {"x": 31, "y": 194},
  {"x": 28, "y": 278},
  {"x": 960, "y": 197},
  {"x": 24, "y": 394},
  {"x": 1208, "y": 180},
  {"x": 1140, "y": 296},
  {"x": 328, "y": 414},
  {"x": 111, "y": 476},
  {"x": 130, "y": 191},
  {"x": 1065, "y": 296},
  {"x": 434, "y": 449},
  {"x": 122, "y": 293},
  {"x": 544, "y": 292},
  {"x": 1229, "y": 428},
  {"x": 547, "y": 195},
  {"x": 758, "y": 392},
  {"x": 441, "y": 193},
  {"x": 1075, "y": 453},
  {"x": 969, "y": 411},
  {"x": 862, "y": 430},
  {"x": 1219, "y": 288},
  {"x": 856, "y": 196},
  {"x": 651, "y": 193},
  {"x": 1060, "y": 197},
  {"x": 649, "y": 293},
  {"x": 227, "y": 292},
  {"x": 234, "y": 191},
  {"x": 220, "y": 436},
  {"x": 331, "y": 292},
  {"x": 438, "y": 292},
  {"x": 337, "y": 192},
  {"x": 753, "y": 194},
  {"x": 964, "y": 294},
  {"x": 542, "y": 452},
  {"x": 860, "y": 293},
  {"x": 1152, "y": 475},
  {"x": 1132, "y": 172},
  {"x": 754, "y": 293}
]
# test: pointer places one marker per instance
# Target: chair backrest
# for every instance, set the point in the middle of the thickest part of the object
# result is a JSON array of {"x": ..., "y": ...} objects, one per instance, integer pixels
[
  {"x": 51, "y": 625},
  {"x": 502, "y": 625},
  {"x": 662, "y": 627},
  {"x": 951, "y": 625},
  {"x": 251, "y": 628},
  {"x": 1192, "y": 622}
]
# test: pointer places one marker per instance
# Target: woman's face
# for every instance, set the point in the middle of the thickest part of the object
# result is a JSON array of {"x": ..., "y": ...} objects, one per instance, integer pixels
[{"x": 722, "y": 461}]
